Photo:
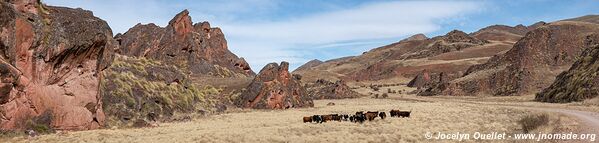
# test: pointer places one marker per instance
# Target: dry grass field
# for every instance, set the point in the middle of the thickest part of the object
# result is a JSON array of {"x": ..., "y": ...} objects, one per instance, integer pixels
[{"x": 287, "y": 125}]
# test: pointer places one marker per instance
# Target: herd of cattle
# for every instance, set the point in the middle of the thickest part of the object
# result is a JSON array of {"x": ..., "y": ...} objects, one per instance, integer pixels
[{"x": 359, "y": 117}]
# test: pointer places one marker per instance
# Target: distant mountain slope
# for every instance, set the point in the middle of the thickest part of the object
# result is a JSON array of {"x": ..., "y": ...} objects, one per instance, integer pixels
[
  {"x": 586, "y": 18},
  {"x": 451, "y": 54},
  {"x": 309, "y": 65}
]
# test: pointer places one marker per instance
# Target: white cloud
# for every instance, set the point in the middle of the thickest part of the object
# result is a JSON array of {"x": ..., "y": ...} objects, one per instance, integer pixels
[
  {"x": 260, "y": 40},
  {"x": 363, "y": 24}
]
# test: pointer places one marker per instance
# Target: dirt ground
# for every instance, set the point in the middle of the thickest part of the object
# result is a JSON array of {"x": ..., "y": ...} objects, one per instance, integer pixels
[{"x": 428, "y": 115}]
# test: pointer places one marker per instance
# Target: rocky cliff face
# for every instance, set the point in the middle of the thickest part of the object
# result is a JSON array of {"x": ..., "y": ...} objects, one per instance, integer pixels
[
  {"x": 50, "y": 58},
  {"x": 529, "y": 66},
  {"x": 581, "y": 81},
  {"x": 323, "y": 89},
  {"x": 199, "y": 48},
  {"x": 275, "y": 88}
]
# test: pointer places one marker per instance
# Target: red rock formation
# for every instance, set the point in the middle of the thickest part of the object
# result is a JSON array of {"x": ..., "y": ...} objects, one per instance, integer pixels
[
  {"x": 529, "y": 66},
  {"x": 420, "y": 79},
  {"x": 275, "y": 88},
  {"x": 50, "y": 57},
  {"x": 199, "y": 48},
  {"x": 581, "y": 81}
]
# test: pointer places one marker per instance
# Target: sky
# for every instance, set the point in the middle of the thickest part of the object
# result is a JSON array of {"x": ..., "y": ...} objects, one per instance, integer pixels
[{"x": 265, "y": 31}]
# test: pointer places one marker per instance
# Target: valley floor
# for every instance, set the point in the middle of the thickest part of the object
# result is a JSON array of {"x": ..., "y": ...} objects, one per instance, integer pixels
[{"x": 429, "y": 115}]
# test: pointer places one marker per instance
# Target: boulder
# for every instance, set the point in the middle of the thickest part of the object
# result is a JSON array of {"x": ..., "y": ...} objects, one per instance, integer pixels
[
  {"x": 274, "y": 88},
  {"x": 50, "y": 58}
]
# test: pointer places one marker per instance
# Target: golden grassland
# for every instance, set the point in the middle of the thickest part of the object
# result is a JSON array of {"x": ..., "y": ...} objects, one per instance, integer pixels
[{"x": 287, "y": 126}]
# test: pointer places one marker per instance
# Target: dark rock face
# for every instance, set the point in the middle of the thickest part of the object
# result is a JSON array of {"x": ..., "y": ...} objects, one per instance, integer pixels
[
  {"x": 137, "y": 89},
  {"x": 528, "y": 66},
  {"x": 50, "y": 58},
  {"x": 323, "y": 89},
  {"x": 275, "y": 88},
  {"x": 420, "y": 80},
  {"x": 309, "y": 65},
  {"x": 199, "y": 48},
  {"x": 580, "y": 82}
]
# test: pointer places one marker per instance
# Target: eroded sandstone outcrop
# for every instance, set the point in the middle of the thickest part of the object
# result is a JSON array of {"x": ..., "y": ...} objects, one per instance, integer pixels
[
  {"x": 275, "y": 88},
  {"x": 199, "y": 48},
  {"x": 50, "y": 58},
  {"x": 580, "y": 82}
]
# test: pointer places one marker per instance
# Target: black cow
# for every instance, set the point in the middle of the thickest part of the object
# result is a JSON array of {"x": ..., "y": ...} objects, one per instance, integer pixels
[
  {"x": 394, "y": 113},
  {"x": 359, "y": 112},
  {"x": 359, "y": 117},
  {"x": 317, "y": 119},
  {"x": 405, "y": 114},
  {"x": 336, "y": 117},
  {"x": 382, "y": 115}
]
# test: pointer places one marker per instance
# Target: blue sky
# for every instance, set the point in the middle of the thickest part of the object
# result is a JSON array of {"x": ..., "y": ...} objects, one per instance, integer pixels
[{"x": 264, "y": 31}]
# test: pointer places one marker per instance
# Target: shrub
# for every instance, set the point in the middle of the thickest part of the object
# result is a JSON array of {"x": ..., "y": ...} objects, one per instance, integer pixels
[
  {"x": 531, "y": 122},
  {"x": 389, "y": 90},
  {"x": 385, "y": 95},
  {"x": 376, "y": 95}
]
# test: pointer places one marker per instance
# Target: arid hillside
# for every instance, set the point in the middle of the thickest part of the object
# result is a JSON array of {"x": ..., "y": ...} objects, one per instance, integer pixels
[
  {"x": 531, "y": 65},
  {"x": 450, "y": 54}
]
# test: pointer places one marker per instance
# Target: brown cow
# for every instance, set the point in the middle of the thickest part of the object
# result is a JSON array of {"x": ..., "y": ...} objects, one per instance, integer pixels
[
  {"x": 371, "y": 115},
  {"x": 307, "y": 119},
  {"x": 326, "y": 118}
]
